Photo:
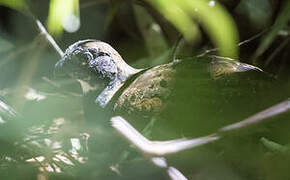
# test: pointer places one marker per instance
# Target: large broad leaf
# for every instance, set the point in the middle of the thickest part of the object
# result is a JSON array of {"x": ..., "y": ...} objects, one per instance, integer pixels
[
  {"x": 63, "y": 15},
  {"x": 212, "y": 16},
  {"x": 178, "y": 17}
]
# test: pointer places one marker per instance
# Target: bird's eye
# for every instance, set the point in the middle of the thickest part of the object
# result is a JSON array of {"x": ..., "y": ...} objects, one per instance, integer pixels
[
  {"x": 89, "y": 55},
  {"x": 103, "y": 54}
]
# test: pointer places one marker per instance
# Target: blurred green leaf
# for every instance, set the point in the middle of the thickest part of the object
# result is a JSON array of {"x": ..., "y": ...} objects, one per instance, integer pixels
[
  {"x": 113, "y": 9},
  {"x": 279, "y": 24},
  {"x": 18, "y": 5},
  {"x": 178, "y": 17},
  {"x": 212, "y": 16},
  {"x": 63, "y": 15},
  {"x": 151, "y": 31},
  {"x": 216, "y": 22},
  {"x": 273, "y": 146}
]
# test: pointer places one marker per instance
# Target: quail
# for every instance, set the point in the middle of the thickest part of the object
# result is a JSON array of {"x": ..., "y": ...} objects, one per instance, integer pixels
[{"x": 190, "y": 97}]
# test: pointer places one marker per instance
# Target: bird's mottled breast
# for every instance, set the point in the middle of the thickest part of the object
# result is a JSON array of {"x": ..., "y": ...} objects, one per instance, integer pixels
[{"x": 148, "y": 92}]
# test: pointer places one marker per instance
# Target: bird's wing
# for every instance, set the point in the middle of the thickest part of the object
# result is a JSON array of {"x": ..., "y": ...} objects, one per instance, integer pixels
[{"x": 198, "y": 96}]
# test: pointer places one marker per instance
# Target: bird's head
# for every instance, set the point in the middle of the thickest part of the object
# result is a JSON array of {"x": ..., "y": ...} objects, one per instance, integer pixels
[{"x": 96, "y": 65}]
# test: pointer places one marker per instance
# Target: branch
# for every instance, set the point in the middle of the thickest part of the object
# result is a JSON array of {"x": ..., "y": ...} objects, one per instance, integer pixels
[
  {"x": 239, "y": 44},
  {"x": 156, "y": 148},
  {"x": 259, "y": 117},
  {"x": 48, "y": 37}
]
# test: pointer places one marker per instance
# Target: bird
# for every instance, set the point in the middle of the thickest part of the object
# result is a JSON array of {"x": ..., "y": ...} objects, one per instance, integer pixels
[{"x": 189, "y": 97}]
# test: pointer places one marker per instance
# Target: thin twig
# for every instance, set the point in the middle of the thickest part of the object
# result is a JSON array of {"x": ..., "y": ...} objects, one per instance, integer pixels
[
  {"x": 47, "y": 80},
  {"x": 276, "y": 51},
  {"x": 252, "y": 38},
  {"x": 239, "y": 44},
  {"x": 175, "y": 47},
  {"x": 49, "y": 37},
  {"x": 156, "y": 148},
  {"x": 207, "y": 52},
  {"x": 259, "y": 117}
]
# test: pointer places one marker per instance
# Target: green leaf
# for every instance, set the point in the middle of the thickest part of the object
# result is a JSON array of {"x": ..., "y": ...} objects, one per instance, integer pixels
[
  {"x": 63, "y": 15},
  {"x": 217, "y": 22},
  {"x": 213, "y": 17},
  {"x": 178, "y": 17},
  {"x": 273, "y": 146},
  {"x": 19, "y": 5},
  {"x": 152, "y": 34}
]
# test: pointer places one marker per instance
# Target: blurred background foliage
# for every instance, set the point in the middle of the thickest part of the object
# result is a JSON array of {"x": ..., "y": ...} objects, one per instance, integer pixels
[{"x": 145, "y": 32}]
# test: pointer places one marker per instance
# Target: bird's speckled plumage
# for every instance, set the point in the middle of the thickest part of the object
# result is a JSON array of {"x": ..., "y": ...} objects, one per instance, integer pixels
[
  {"x": 148, "y": 92},
  {"x": 189, "y": 90}
]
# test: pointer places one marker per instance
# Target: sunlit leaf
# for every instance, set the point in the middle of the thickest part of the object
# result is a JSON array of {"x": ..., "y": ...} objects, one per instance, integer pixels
[
  {"x": 18, "y": 5},
  {"x": 212, "y": 16},
  {"x": 63, "y": 15},
  {"x": 280, "y": 22},
  {"x": 216, "y": 22},
  {"x": 178, "y": 17}
]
